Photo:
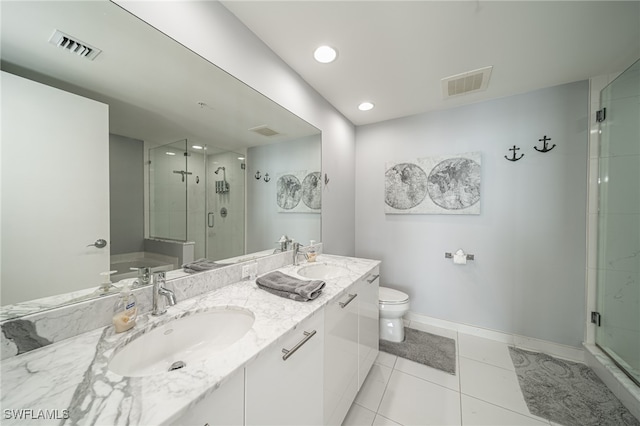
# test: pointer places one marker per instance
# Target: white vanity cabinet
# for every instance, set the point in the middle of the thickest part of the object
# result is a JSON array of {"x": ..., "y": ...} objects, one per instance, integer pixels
[
  {"x": 368, "y": 322},
  {"x": 281, "y": 391},
  {"x": 340, "y": 355},
  {"x": 351, "y": 345},
  {"x": 223, "y": 407}
]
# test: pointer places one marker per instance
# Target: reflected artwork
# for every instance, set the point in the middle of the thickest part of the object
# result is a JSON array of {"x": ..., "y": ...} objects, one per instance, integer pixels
[{"x": 299, "y": 192}]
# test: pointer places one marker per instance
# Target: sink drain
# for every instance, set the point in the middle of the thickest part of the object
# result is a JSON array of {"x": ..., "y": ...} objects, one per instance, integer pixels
[{"x": 177, "y": 365}]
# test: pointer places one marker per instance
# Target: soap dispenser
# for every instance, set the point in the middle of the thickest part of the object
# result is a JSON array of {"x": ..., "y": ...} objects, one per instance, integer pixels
[
  {"x": 106, "y": 284},
  {"x": 125, "y": 310},
  {"x": 311, "y": 253}
]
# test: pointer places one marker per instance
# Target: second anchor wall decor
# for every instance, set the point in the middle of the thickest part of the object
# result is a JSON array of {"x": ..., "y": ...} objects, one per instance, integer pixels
[
  {"x": 434, "y": 185},
  {"x": 299, "y": 192}
]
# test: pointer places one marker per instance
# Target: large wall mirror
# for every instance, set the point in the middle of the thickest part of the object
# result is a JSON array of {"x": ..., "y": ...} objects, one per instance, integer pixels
[{"x": 183, "y": 162}]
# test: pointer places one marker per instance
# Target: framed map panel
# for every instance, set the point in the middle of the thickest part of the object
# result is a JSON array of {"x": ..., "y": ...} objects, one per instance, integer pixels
[
  {"x": 299, "y": 192},
  {"x": 434, "y": 185}
]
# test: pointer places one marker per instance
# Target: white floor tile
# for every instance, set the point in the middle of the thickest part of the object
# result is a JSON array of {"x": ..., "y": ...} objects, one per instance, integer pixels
[
  {"x": 444, "y": 332},
  {"x": 359, "y": 416},
  {"x": 379, "y": 373},
  {"x": 492, "y": 384},
  {"x": 485, "y": 350},
  {"x": 480, "y": 413},
  {"x": 409, "y": 400},
  {"x": 429, "y": 373},
  {"x": 383, "y": 421},
  {"x": 373, "y": 387},
  {"x": 386, "y": 359}
]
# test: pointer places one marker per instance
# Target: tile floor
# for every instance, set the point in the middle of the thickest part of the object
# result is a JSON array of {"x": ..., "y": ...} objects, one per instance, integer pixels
[{"x": 484, "y": 391}]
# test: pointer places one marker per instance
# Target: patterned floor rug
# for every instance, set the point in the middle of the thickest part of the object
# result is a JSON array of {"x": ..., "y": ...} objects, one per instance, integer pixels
[
  {"x": 567, "y": 392},
  {"x": 426, "y": 348}
]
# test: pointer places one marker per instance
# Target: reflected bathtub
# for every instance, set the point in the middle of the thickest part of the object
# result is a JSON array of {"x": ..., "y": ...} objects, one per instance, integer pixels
[{"x": 123, "y": 263}]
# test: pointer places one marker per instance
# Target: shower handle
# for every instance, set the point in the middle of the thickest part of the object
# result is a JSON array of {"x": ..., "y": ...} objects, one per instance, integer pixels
[{"x": 100, "y": 243}]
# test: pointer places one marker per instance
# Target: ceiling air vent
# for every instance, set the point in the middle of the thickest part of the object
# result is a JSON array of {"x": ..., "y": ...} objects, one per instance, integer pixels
[
  {"x": 73, "y": 45},
  {"x": 467, "y": 82},
  {"x": 264, "y": 131}
]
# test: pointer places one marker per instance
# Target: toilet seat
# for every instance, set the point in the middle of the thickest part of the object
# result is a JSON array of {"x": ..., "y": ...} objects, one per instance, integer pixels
[{"x": 389, "y": 296}]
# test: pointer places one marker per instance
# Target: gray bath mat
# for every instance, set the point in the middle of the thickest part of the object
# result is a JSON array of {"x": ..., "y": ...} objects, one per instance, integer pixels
[
  {"x": 567, "y": 392},
  {"x": 426, "y": 348}
]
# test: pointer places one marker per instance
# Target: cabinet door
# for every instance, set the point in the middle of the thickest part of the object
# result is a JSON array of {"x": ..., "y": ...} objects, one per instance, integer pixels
[
  {"x": 341, "y": 356},
  {"x": 369, "y": 325},
  {"x": 288, "y": 392},
  {"x": 224, "y": 407}
]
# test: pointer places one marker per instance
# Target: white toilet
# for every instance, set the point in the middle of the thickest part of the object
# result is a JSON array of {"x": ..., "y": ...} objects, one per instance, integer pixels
[{"x": 393, "y": 306}]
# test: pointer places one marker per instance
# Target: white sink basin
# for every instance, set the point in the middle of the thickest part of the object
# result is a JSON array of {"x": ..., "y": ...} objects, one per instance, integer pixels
[
  {"x": 322, "y": 271},
  {"x": 187, "y": 339}
]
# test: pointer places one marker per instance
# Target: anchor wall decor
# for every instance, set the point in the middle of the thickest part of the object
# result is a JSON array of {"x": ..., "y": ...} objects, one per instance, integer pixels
[
  {"x": 545, "y": 148},
  {"x": 514, "y": 158}
]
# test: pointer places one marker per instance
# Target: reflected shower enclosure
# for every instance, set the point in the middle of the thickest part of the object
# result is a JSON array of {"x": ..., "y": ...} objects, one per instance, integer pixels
[{"x": 196, "y": 194}]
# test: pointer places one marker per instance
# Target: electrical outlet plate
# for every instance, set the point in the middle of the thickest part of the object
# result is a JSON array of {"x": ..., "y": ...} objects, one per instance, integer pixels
[
  {"x": 246, "y": 271},
  {"x": 249, "y": 270}
]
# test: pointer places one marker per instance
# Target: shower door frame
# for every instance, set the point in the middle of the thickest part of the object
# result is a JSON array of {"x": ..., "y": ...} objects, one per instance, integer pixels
[{"x": 605, "y": 260}]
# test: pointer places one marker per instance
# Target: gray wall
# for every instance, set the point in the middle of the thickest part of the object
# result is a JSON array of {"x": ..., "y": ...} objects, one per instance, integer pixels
[
  {"x": 529, "y": 240},
  {"x": 126, "y": 182}
]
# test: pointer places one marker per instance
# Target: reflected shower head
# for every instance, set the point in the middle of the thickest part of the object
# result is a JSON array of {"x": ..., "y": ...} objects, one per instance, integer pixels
[{"x": 216, "y": 172}]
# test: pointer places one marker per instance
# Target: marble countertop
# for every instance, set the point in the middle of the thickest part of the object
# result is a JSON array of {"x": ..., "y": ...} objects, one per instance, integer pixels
[{"x": 71, "y": 378}]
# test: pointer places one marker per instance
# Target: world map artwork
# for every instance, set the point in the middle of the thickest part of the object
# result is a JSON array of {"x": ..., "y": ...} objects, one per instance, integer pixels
[
  {"x": 445, "y": 185},
  {"x": 454, "y": 184},
  {"x": 299, "y": 192}
]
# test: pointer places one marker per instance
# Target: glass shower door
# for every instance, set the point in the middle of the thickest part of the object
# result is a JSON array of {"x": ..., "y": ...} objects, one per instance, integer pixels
[
  {"x": 167, "y": 191},
  {"x": 619, "y": 222}
]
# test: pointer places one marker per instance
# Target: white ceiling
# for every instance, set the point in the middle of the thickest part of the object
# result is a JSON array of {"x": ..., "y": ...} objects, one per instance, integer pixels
[
  {"x": 394, "y": 53},
  {"x": 152, "y": 84}
]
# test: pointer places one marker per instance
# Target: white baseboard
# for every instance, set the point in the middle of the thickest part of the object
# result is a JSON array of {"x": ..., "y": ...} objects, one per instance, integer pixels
[{"x": 522, "y": 342}]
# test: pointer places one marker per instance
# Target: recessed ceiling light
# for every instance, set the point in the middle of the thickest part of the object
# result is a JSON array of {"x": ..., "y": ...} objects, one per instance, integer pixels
[
  {"x": 325, "y": 54},
  {"x": 170, "y": 153},
  {"x": 240, "y": 158},
  {"x": 365, "y": 106},
  {"x": 196, "y": 147}
]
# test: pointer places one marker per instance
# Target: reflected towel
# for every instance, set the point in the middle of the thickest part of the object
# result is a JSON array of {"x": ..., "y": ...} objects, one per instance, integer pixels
[
  {"x": 200, "y": 265},
  {"x": 289, "y": 287}
]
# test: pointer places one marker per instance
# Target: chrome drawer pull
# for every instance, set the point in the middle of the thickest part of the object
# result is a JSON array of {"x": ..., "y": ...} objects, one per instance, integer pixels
[
  {"x": 288, "y": 352},
  {"x": 351, "y": 297},
  {"x": 375, "y": 277}
]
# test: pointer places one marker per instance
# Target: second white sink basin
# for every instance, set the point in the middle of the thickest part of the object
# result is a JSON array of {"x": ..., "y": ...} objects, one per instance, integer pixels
[
  {"x": 322, "y": 271},
  {"x": 181, "y": 341}
]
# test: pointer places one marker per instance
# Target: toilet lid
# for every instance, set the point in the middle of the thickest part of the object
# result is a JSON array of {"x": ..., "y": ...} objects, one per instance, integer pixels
[{"x": 389, "y": 295}]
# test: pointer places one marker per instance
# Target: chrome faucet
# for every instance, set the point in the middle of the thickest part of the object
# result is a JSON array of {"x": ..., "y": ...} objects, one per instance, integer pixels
[
  {"x": 159, "y": 279},
  {"x": 144, "y": 276},
  {"x": 297, "y": 252}
]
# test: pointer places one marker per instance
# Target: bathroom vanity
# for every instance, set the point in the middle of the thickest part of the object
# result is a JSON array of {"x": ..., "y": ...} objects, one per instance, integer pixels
[{"x": 298, "y": 363}]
